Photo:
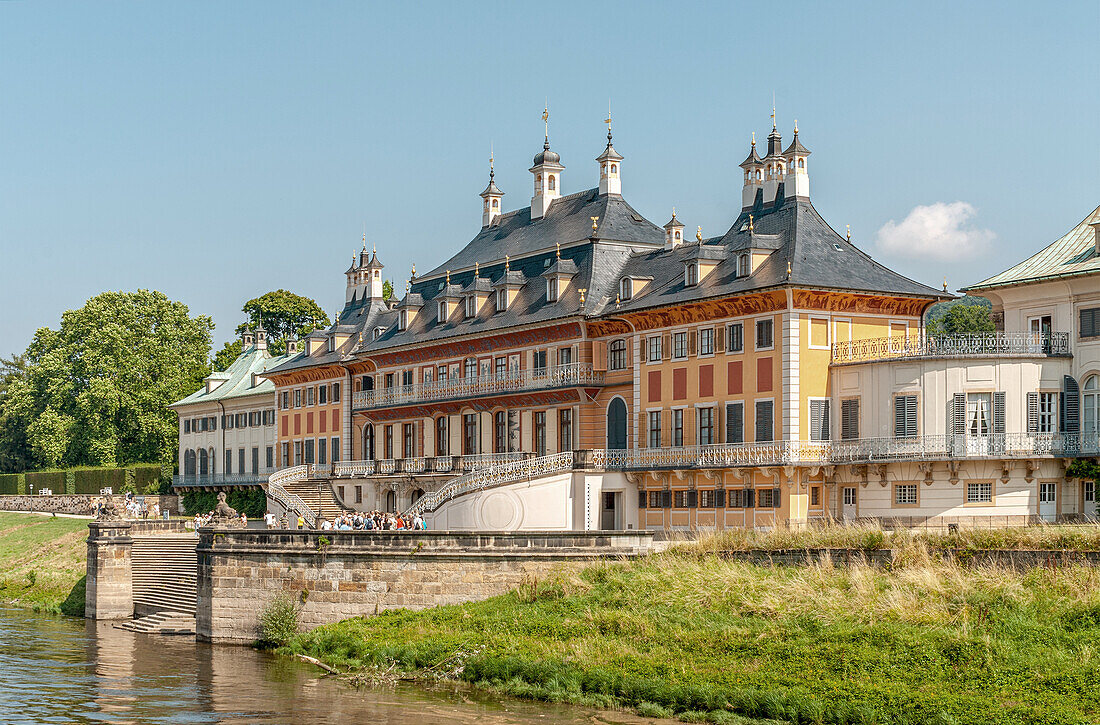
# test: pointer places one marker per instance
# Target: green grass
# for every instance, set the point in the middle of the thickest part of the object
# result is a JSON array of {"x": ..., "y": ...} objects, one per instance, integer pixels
[
  {"x": 685, "y": 633},
  {"x": 42, "y": 562}
]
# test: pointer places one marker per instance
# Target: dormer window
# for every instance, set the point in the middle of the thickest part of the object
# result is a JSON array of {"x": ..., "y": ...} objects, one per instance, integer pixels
[
  {"x": 691, "y": 274},
  {"x": 471, "y": 306},
  {"x": 441, "y": 312},
  {"x": 743, "y": 269},
  {"x": 552, "y": 289},
  {"x": 403, "y": 320},
  {"x": 502, "y": 300},
  {"x": 626, "y": 288},
  {"x": 378, "y": 332}
]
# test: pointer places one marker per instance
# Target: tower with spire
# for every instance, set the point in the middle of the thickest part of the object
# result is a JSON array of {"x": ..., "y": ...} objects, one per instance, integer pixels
[
  {"x": 797, "y": 183},
  {"x": 491, "y": 198},
  {"x": 547, "y": 172},
  {"x": 775, "y": 165},
  {"x": 610, "y": 162},
  {"x": 364, "y": 276},
  {"x": 754, "y": 176}
]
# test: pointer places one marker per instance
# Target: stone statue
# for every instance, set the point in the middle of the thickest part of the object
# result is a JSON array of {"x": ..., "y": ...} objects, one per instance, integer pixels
[
  {"x": 224, "y": 514},
  {"x": 110, "y": 510}
]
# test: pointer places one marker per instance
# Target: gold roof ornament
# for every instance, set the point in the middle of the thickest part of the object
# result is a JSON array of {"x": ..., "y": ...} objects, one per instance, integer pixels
[
  {"x": 557, "y": 249},
  {"x": 945, "y": 283},
  {"x": 848, "y": 232},
  {"x": 752, "y": 228},
  {"x": 618, "y": 299},
  {"x": 414, "y": 270},
  {"x": 582, "y": 290},
  {"x": 507, "y": 263},
  {"x": 788, "y": 269},
  {"x": 447, "y": 279},
  {"x": 699, "y": 234},
  {"x": 595, "y": 221},
  {"x": 477, "y": 269}
]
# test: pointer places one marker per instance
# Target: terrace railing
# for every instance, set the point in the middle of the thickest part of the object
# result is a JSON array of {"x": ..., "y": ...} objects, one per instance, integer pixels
[
  {"x": 512, "y": 381},
  {"x": 496, "y": 475},
  {"x": 219, "y": 479},
  {"x": 982, "y": 344},
  {"x": 418, "y": 465},
  {"x": 292, "y": 503}
]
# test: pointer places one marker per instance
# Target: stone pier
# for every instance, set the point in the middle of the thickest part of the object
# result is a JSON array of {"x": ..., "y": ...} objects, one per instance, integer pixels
[
  {"x": 109, "y": 588},
  {"x": 339, "y": 574}
]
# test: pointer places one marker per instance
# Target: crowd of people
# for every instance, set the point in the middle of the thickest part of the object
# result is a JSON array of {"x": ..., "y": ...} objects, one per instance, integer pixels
[
  {"x": 353, "y": 521},
  {"x": 207, "y": 518},
  {"x": 136, "y": 508}
]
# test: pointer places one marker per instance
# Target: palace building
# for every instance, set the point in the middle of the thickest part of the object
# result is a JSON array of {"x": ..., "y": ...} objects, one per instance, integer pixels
[{"x": 576, "y": 366}]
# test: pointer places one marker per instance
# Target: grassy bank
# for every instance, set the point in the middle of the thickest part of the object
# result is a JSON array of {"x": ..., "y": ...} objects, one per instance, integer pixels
[
  {"x": 42, "y": 562},
  {"x": 688, "y": 634}
]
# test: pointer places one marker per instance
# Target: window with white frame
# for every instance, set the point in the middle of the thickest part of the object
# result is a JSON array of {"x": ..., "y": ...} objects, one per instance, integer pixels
[
  {"x": 764, "y": 334},
  {"x": 471, "y": 306},
  {"x": 654, "y": 348},
  {"x": 679, "y": 345},
  {"x": 735, "y": 337},
  {"x": 653, "y": 429},
  {"x": 691, "y": 274},
  {"x": 1048, "y": 412},
  {"x": 704, "y": 432},
  {"x": 552, "y": 289},
  {"x": 1089, "y": 490},
  {"x": 743, "y": 265},
  {"x": 502, "y": 300},
  {"x": 764, "y": 429},
  {"x": 678, "y": 427},
  {"x": 979, "y": 493},
  {"x": 322, "y": 395},
  {"x": 441, "y": 311},
  {"x": 403, "y": 320},
  {"x": 706, "y": 341},
  {"x": 626, "y": 288}
]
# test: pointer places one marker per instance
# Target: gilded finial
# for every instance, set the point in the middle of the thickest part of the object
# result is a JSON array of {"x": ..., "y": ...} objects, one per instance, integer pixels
[
  {"x": 698, "y": 234},
  {"x": 608, "y": 121},
  {"x": 546, "y": 120},
  {"x": 595, "y": 221},
  {"x": 364, "y": 241},
  {"x": 618, "y": 299},
  {"x": 788, "y": 268},
  {"x": 408, "y": 286},
  {"x": 754, "y": 138},
  {"x": 557, "y": 249},
  {"x": 773, "y": 111},
  {"x": 848, "y": 232},
  {"x": 414, "y": 270},
  {"x": 447, "y": 278},
  {"x": 477, "y": 269},
  {"x": 507, "y": 263},
  {"x": 752, "y": 228},
  {"x": 582, "y": 290},
  {"x": 945, "y": 283},
  {"x": 673, "y": 212},
  {"x": 796, "y": 126}
]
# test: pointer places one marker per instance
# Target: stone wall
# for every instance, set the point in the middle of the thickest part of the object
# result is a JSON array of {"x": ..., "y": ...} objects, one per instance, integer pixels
[
  {"x": 341, "y": 574},
  {"x": 77, "y": 504}
]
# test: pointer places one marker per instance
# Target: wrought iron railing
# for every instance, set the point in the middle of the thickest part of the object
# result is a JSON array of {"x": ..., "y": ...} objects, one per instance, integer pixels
[
  {"x": 219, "y": 479},
  {"x": 512, "y": 381},
  {"x": 437, "y": 464},
  {"x": 497, "y": 475},
  {"x": 981, "y": 344},
  {"x": 292, "y": 503}
]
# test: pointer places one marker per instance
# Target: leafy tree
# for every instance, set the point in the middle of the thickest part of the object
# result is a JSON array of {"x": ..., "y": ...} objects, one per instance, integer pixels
[
  {"x": 284, "y": 315},
  {"x": 13, "y": 437},
  {"x": 230, "y": 351},
  {"x": 387, "y": 290},
  {"x": 958, "y": 317},
  {"x": 96, "y": 390}
]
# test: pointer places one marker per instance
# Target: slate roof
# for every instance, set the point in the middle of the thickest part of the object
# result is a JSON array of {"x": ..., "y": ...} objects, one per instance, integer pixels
[
  {"x": 819, "y": 257},
  {"x": 1072, "y": 254},
  {"x": 238, "y": 378},
  {"x": 567, "y": 221}
]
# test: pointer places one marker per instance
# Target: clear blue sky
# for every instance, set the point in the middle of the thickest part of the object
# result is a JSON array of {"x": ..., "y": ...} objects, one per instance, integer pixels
[{"x": 216, "y": 150}]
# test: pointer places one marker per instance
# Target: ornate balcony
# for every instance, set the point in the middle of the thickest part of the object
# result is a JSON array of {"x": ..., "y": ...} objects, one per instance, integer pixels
[
  {"x": 512, "y": 381},
  {"x": 424, "y": 465},
  {"x": 983, "y": 344}
]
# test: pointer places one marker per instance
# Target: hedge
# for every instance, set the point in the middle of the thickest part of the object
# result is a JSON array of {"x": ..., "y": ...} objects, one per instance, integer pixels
[
  {"x": 53, "y": 480},
  {"x": 94, "y": 480},
  {"x": 146, "y": 478},
  {"x": 12, "y": 484}
]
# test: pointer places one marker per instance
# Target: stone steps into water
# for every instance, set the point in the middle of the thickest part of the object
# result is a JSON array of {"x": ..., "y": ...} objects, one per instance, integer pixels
[
  {"x": 161, "y": 623},
  {"x": 165, "y": 573}
]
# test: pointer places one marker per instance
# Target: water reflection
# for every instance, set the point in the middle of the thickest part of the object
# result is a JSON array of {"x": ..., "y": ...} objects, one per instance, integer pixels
[{"x": 61, "y": 670}]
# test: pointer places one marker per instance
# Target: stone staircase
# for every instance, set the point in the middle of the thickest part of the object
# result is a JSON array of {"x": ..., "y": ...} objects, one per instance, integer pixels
[
  {"x": 161, "y": 623},
  {"x": 318, "y": 495},
  {"x": 165, "y": 569}
]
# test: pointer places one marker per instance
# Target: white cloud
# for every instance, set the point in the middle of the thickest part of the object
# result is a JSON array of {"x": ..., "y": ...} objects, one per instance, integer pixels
[{"x": 939, "y": 231}]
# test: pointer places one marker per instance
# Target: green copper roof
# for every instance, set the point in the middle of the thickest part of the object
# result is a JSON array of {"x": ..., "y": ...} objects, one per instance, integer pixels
[
  {"x": 238, "y": 379},
  {"x": 1072, "y": 254}
]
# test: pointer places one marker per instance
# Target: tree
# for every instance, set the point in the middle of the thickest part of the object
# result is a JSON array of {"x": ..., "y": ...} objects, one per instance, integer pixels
[
  {"x": 959, "y": 317},
  {"x": 96, "y": 390},
  {"x": 387, "y": 290},
  {"x": 13, "y": 437},
  {"x": 230, "y": 351},
  {"x": 284, "y": 315}
]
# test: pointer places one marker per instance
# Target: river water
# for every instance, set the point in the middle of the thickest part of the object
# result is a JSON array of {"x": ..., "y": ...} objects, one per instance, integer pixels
[{"x": 64, "y": 670}]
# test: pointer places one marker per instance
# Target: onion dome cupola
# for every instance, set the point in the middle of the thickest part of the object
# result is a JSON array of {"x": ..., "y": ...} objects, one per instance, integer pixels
[
  {"x": 797, "y": 183},
  {"x": 610, "y": 162},
  {"x": 775, "y": 165},
  {"x": 674, "y": 232},
  {"x": 491, "y": 197},
  {"x": 547, "y": 172},
  {"x": 754, "y": 176}
]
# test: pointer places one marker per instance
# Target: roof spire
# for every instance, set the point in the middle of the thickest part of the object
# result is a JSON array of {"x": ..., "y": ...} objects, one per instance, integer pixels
[
  {"x": 546, "y": 125},
  {"x": 773, "y": 111},
  {"x": 608, "y": 122},
  {"x": 848, "y": 232},
  {"x": 477, "y": 269},
  {"x": 491, "y": 172},
  {"x": 557, "y": 249}
]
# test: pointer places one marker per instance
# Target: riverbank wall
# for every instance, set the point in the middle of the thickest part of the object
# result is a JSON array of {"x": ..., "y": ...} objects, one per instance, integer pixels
[
  {"x": 339, "y": 574},
  {"x": 78, "y": 504}
]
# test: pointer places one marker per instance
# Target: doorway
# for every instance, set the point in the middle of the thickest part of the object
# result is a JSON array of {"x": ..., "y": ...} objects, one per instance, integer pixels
[
  {"x": 849, "y": 504},
  {"x": 1048, "y": 501},
  {"x": 616, "y": 424},
  {"x": 978, "y": 423},
  {"x": 610, "y": 510}
]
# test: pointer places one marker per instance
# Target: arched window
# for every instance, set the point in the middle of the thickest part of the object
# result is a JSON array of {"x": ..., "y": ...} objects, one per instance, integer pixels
[
  {"x": 1091, "y": 402},
  {"x": 614, "y": 168},
  {"x": 626, "y": 288},
  {"x": 441, "y": 438},
  {"x": 802, "y": 163},
  {"x": 743, "y": 266},
  {"x": 677, "y": 236},
  {"x": 496, "y": 203},
  {"x": 616, "y": 424},
  {"x": 391, "y": 502},
  {"x": 758, "y": 174},
  {"x": 616, "y": 355},
  {"x": 552, "y": 183},
  {"x": 203, "y": 462},
  {"x": 417, "y": 495}
]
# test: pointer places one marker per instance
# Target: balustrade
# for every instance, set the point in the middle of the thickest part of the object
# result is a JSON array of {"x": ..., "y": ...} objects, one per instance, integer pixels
[
  {"x": 511, "y": 381},
  {"x": 981, "y": 344}
]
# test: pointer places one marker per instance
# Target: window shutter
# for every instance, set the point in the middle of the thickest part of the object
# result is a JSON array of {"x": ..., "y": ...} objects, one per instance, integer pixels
[
  {"x": 641, "y": 499},
  {"x": 816, "y": 411},
  {"x": 749, "y": 495},
  {"x": 693, "y": 343},
  {"x": 666, "y": 346},
  {"x": 720, "y": 338},
  {"x": 692, "y": 499},
  {"x": 763, "y": 429},
  {"x": 666, "y": 499},
  {"x": 998, "y": 413},
  {"x": 849, "y": 413},
  {"x": 735, "y": 423},
  {"x": 958, "y": 414},
  {"x": 720, "y": 498},
  {"x": 826, "y": 427},
  {"x": 1032, "y": 412},
  {"x": 1071, "y": 405},
  {"x": 599, "y": 355},
  {"x": 1090, "y": 322},
  {"x": 899, "y": 416}
]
